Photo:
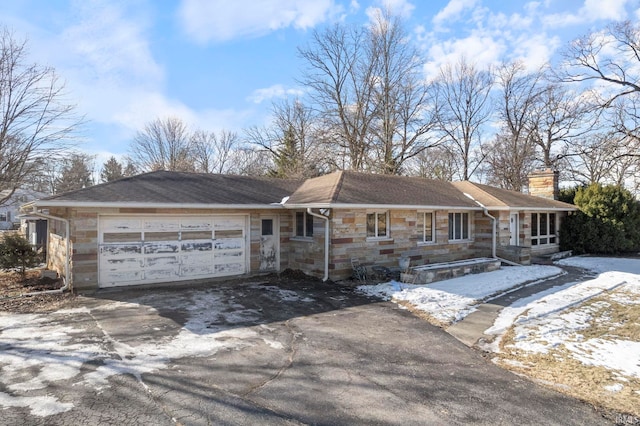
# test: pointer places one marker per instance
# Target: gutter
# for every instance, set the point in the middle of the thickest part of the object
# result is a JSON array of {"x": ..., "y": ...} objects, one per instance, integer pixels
[
  {"x": 493, "y": 225},
  {"x": 326, "y": 242},
  {"x": 66, "y": 280}
]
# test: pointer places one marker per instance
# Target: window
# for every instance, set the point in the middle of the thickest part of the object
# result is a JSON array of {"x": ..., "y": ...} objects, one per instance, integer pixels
[
  {"x": 458, "y": 226},
  {"x": 3, "y": 217},
  {"x": 267, "y": 227},
  {"x": 543, "y": 228},
  {"x": 377, "y": 225},
  {"x": 304, "y": 225},
  {"x": 427, "y": 226}
]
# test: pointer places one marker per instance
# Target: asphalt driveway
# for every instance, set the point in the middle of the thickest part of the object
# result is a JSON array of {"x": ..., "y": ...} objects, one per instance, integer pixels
[{"x": 255, "y": 353}]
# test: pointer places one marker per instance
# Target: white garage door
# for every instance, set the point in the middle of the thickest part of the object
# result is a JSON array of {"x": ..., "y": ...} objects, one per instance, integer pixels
[{"x": 142, "y": 250}]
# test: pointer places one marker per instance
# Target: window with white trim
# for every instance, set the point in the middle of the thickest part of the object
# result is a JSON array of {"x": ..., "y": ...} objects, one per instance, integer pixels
[
  {"x": 427, "y": 226},
  {"x": 543, "y": 229},
  {"x": 304, "y": 225},
  {"x": 378, "y": 225},
  {"x": 458, "y": 226}
]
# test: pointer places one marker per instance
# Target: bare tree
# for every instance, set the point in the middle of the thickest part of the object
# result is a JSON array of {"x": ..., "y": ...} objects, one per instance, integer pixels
[
  {"x": 557, "y": 118},
  {"x": 340, "y": 77},
  {"x": 212, "y": 150},
  {"x": 511, "y": 156},
  {"x": 367, "y": 85},
  {"x": 600, "y": 158},
  {"x": 164, "y": 144},
  {"x": 291, "y": 140},
  {"x": 404, "y": 113},
  {"x": 250, "y": 162},
  {"x": 462, "y": 96},
  {"x": 433, "y": 163},
  {"x": 610, "y": 59},
  {"x": 37, "y": 122}
]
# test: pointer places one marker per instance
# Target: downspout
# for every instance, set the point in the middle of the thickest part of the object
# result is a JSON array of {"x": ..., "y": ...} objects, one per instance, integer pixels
[
  {"x": 66, "y": 279},
  {"x": 326, "y": 242},
  {"x": 493, "y": 225}
]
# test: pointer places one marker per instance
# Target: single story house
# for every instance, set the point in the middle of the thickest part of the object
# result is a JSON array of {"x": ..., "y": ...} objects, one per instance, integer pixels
[{"x": 171, "y": 226}]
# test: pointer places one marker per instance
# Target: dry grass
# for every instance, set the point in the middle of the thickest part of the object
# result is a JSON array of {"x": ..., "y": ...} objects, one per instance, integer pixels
[
  {"x": 611, "y": 320},
  {"x": 13, "y": 287},
  {"x": 422, "y": 314}
]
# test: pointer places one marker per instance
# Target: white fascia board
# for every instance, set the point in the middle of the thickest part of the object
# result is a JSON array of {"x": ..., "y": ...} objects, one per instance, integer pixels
[
  {"x": 377, "y": 206},
  {"x": 533, "y": 209},
  {"x": 142, "y": 205}
]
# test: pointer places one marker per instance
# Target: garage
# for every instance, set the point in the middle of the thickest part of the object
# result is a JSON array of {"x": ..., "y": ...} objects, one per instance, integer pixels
[{"x": 135, "y": 250}]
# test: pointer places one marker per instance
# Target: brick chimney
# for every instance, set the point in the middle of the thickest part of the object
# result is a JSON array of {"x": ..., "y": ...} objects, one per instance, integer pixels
[{"x": 544, "y": 183}]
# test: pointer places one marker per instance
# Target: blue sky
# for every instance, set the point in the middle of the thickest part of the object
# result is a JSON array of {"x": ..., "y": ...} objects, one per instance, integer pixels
[{"x": 220, "y": 64}]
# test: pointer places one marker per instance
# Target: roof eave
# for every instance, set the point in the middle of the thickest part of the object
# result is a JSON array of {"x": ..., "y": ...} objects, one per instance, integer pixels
[
  {"x": 546, "y": 209},
  {"x": 376, "y": 206},
  {"x": 143, "y": 205}
]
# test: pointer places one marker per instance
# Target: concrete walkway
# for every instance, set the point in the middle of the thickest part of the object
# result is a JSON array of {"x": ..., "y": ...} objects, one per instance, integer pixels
[{"x": 471, "y": 329}]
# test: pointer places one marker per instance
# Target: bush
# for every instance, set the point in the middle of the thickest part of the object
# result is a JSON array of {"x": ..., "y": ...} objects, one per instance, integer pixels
[
  {"x": 16, "y": 252},
  {"x": 608, "y": 223}
]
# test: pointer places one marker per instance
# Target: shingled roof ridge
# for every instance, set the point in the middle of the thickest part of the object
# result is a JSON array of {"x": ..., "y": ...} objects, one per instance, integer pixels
[
  {"x": 482, "y": 187},
  {"x": 335, "y": 191}
]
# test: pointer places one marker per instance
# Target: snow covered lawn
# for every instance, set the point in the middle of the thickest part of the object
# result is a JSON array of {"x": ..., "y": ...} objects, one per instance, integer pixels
[
  {"x": 451, "y": 300},
  {"x": 583, "y": 337}
]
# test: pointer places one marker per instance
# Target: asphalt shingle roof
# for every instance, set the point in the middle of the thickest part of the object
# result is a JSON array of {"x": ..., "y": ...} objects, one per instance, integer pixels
[
  {"x": 164, "y": 187},
  {"x": 346, "y": 187},
  {"x": 492, "y": 197},
  {"x": 342, "y": 188}
]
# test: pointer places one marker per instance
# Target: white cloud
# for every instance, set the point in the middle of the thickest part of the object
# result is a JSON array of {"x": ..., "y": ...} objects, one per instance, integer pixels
[
  {"x": 206, "y": 20},
  {"x": 109, "y": 43},
  {"x": 480, "y": 50},
  {"x": 275, "y": 91},
  {"x": 591, "y": 11},
  {"x": 452, "y": 11},
  {"x": 535, "y": 50}
]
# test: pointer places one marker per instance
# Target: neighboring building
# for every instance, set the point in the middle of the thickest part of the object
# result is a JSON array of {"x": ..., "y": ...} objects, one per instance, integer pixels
[
  {"x": 171, "y": 226},
  {"x": 10, "y": 209}
]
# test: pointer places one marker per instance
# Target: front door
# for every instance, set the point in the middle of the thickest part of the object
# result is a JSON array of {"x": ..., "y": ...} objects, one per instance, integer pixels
[
  {"x": 269, "y": 244},
  {"x": 513, "y": 228}
]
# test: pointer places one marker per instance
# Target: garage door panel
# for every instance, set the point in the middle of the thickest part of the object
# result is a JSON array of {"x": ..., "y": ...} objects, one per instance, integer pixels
[
  {"x": 168, "y": 248},
  {"x": 161, "y": 224},
  {"x": 114, "y": 278},
  {"x": 228, "y": 222},
  {"x": 113, "y": 250},
  {"x": 161, "y": 261},
  {"x": 162, "y": 274},
  {"x": 196, "y": 270},
  {"x": 229, "y": 269},
  {"x": 120, "y": 223},
  {"x": 226, "y": 255},
  {"x": 128, "y": 263},
  {"x": 196, "y": 246},
  {"x": 161, "y": 247},
  {"x": 204, "y": 224}
]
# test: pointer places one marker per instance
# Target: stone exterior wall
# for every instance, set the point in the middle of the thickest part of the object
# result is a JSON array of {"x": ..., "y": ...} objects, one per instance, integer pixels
[
  {"x": 56, "y": 254},
  {"x": 348, "y": 240},
  {"x": 307, "y": 253}
]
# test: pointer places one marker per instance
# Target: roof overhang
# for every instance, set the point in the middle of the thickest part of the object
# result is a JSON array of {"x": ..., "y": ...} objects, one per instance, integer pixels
[
  {"x": 533, "y": 209},
  {"x": 143, "y": 205},
  {"x": 377, "y": 206}
]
